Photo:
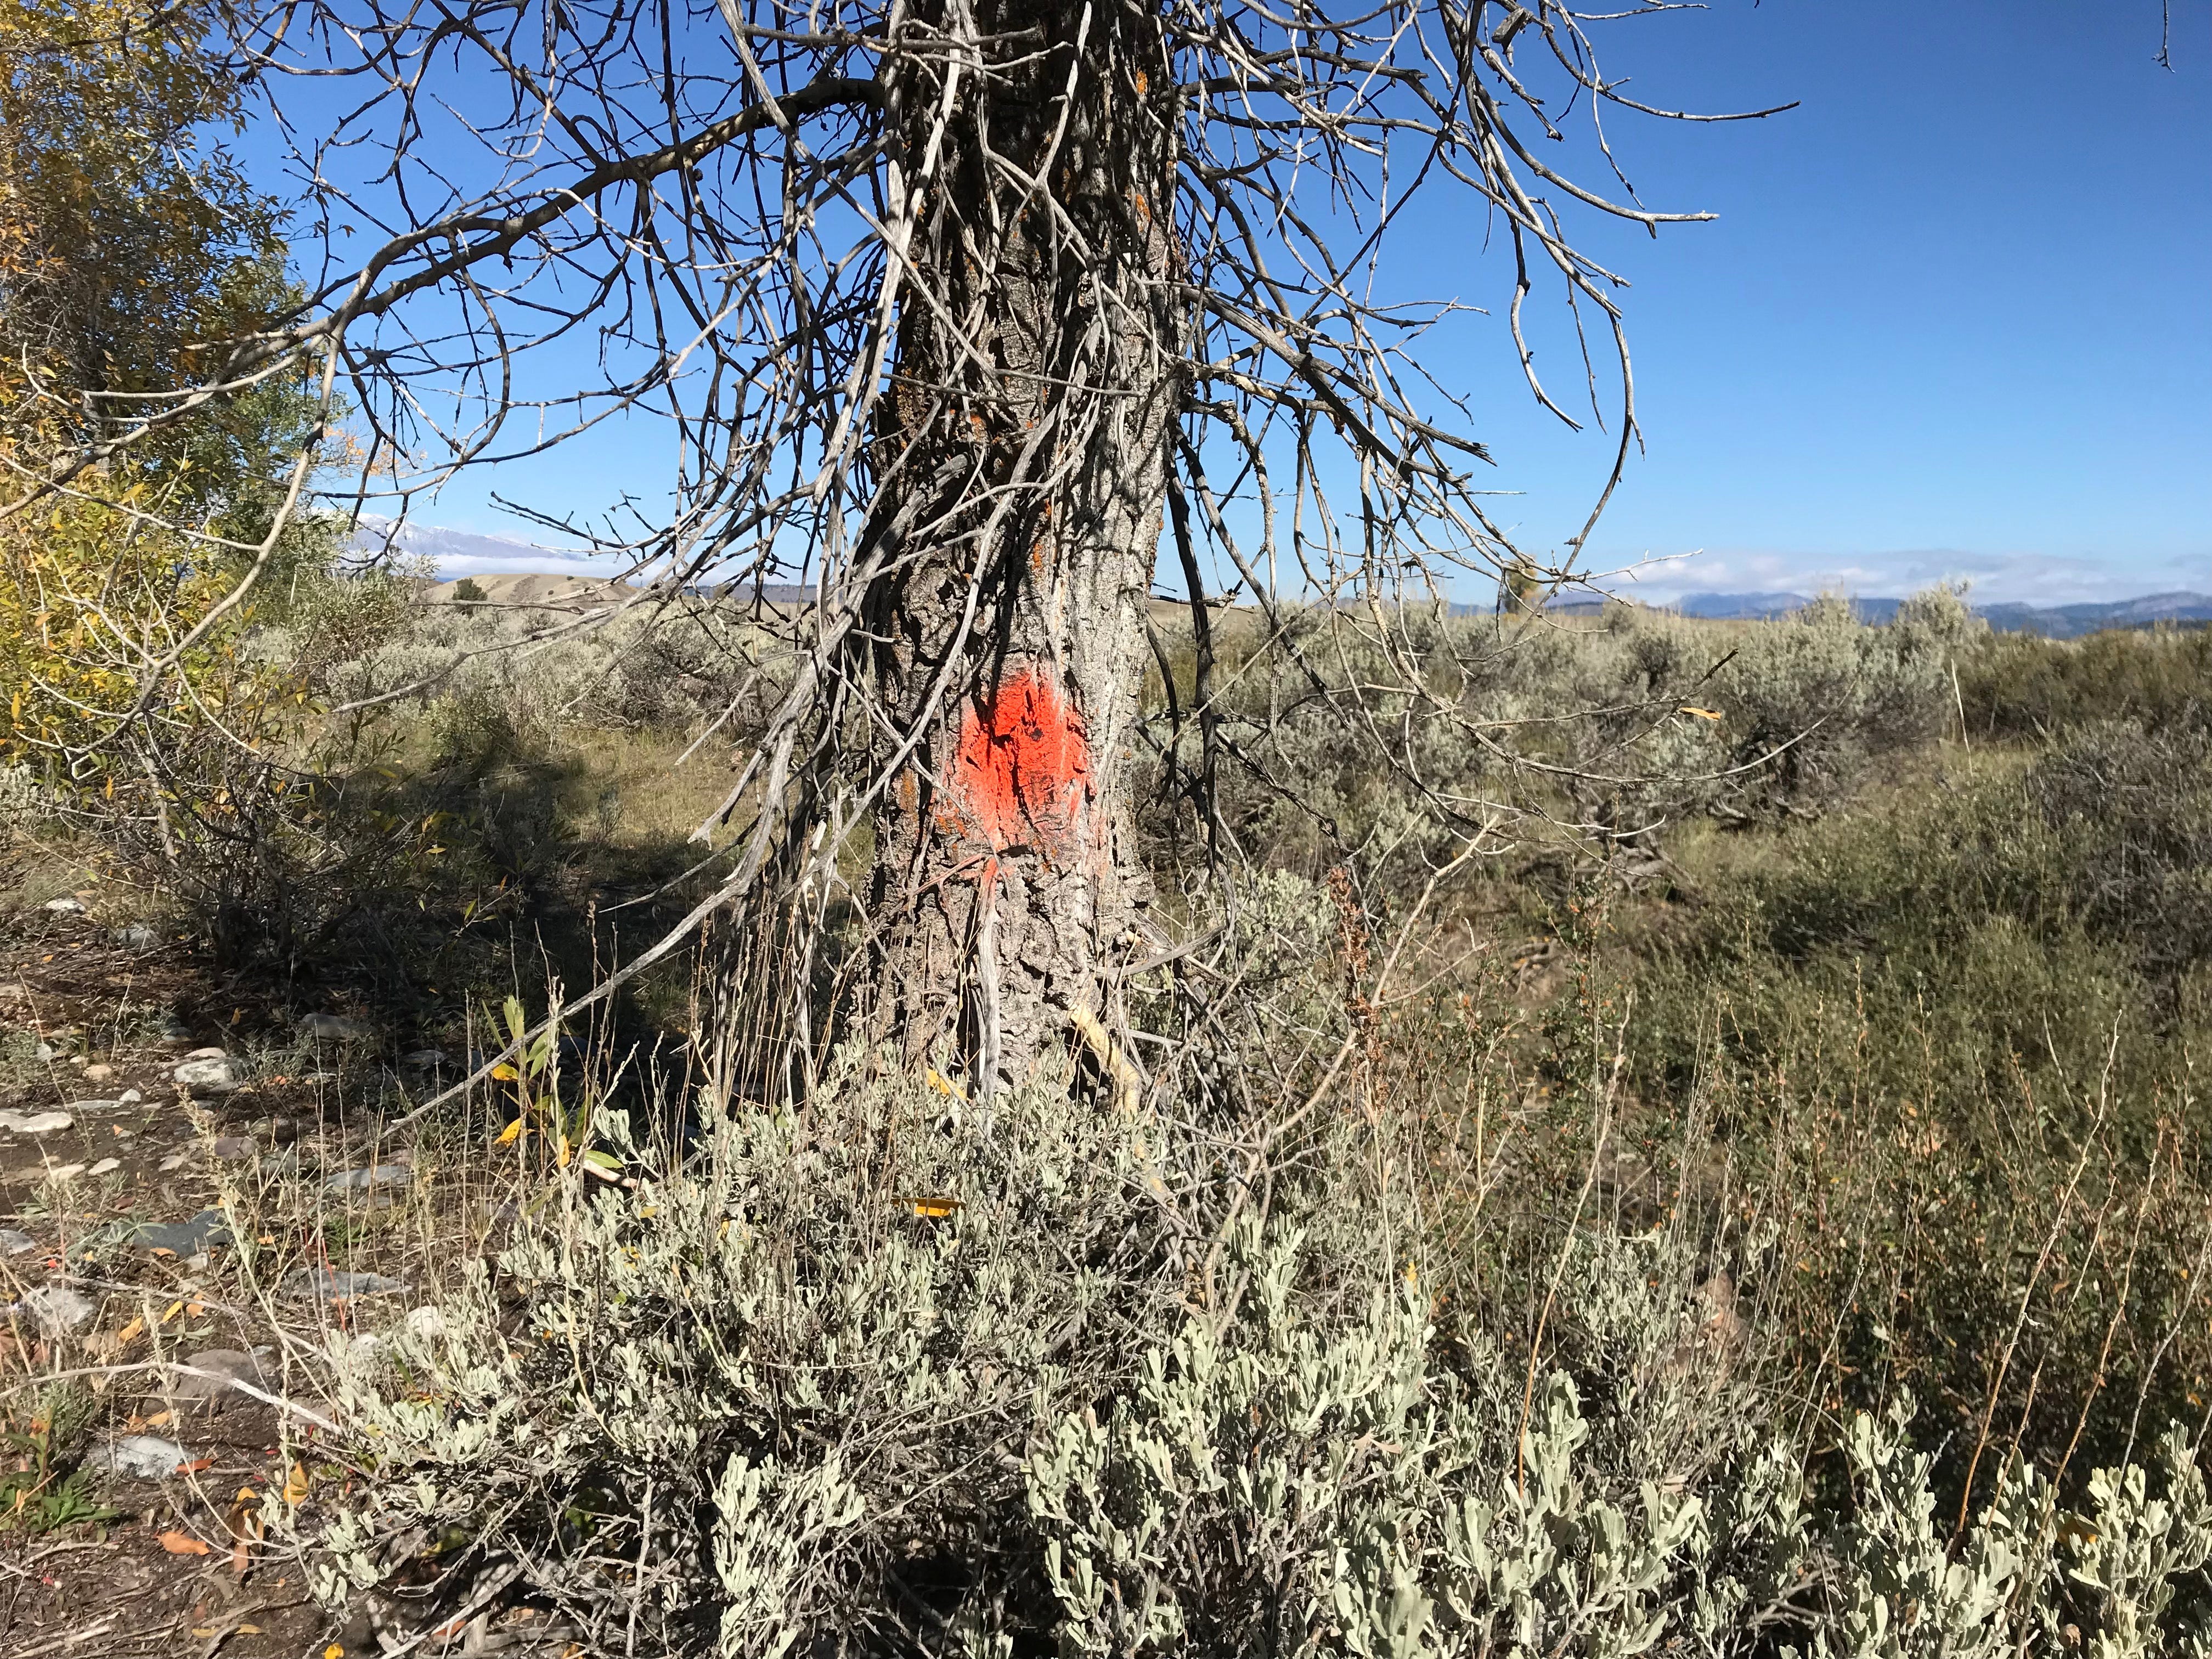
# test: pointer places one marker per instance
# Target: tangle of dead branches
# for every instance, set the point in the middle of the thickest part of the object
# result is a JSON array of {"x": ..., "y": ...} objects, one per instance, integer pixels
[{"x": 534, "y": 229}]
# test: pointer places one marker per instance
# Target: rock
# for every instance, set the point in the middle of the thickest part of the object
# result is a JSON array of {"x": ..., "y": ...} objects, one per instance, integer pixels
[
  {"x": 58, "y": 1172},
  {"x": 334, "y": 1028},
  {"x": 330, "y": 1283},
  {"x": 186, "y": 1238},
  {"x": 205, "y": 1073},
  {"x": 233, "y": 1147},
  {"x": 227, "y": 1365},
  {"x": 129, "y": 1098},
  {"x": 105, "y": 1166},
  {"x": 136, "y": 937},
  {"x": 362, "y": 1181},
  {"x": 35, "y": 1123},
  {"x": 59, "y": 1308},
  {"x": 142, "y": 1456},
  {"x": 47, "y": 1051},
  {"x": 67, "y": 905},
  {"x": 13, "y": 1242},
  {"x": 425, "y": 1323}
]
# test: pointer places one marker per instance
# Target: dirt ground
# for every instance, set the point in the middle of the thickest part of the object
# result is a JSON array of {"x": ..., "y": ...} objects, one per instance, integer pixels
[{"x": 172, "y": 1256}]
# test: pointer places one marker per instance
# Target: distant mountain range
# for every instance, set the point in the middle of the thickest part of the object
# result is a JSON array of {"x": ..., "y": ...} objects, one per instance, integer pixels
[
  {"x": 461, "y": 552},
  {"x": 2060, "y": 621}
]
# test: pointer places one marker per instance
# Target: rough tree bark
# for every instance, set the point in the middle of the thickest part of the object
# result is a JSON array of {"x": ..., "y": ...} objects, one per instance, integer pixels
[{"x": 1026, "y": 443}]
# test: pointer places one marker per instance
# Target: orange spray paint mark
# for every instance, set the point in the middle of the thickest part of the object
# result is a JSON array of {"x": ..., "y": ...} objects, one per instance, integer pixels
[{"x": 1023, "y": 765}]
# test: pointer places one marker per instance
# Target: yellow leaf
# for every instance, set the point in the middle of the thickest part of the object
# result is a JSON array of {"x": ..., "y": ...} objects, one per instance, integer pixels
[
  {"x": 131, "y": 1332},
  {"x": 561, "y": 1152},
  {"x": 505, "y": 1073},
  {"x": 295, "y": 1484},
  {"x": 175, "y": 1308},
  {"x": 944, "y": 1085},
  {"x": 507, "y": 1135},
  {"x": 935, "y": 1207},
  {"x": 1702, "y": 713}
]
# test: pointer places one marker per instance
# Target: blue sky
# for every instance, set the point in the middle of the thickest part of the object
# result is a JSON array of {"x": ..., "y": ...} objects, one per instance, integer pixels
[{"x": 1954, "y": 319}]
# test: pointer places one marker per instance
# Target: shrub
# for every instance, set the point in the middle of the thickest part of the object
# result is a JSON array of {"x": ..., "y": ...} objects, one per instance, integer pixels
[
  {"x": 2016, "y": 685},
  {"x": 1960, "y": 1047},
  {"x": 1379, "y": 749},
  {"x": 791, "y": 1378},
  {"x": 875, "y": 1375}
]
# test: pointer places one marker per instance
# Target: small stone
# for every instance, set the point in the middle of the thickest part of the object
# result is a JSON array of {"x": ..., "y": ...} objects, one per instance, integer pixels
[
  {"x": 47, "y": 1051},
  {"x": 362, "y": 1181},
  {"x": 228, "y": 1365},
  {"x": 67, "y": 905},
  {"x": 57, "y": 1308},
  {"x": 329, "y": 1284},
  {"x": 233, "y": 1147},
  {"x": 13, "y": 1242},
  {"x": 184, "y": 1238},
  {"x": 129, "y": 1098},
  {"x": 425, "y": 1324},
  {"x": 105, "y": 1166},
  {"x": 35, "y": 1123},
  {"x": 207, "y": 1073},
  {"x": 143, "y": 1456},
  {"x": 79, "y": 1061},
  {"x": 58, "y": 1172}
]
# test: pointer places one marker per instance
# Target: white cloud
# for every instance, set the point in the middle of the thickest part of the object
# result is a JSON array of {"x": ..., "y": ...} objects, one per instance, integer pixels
[
  {"x": 1994, "y": 578},
  {"x": 454, "y": 553}
]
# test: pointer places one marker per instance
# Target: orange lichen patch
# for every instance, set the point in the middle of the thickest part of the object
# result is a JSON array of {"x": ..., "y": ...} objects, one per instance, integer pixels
[{"x": 1023, "y": 765}]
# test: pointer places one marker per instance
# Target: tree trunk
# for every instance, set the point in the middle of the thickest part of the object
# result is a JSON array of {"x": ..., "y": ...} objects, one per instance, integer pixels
[{"x": 1026, "y": 446}]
